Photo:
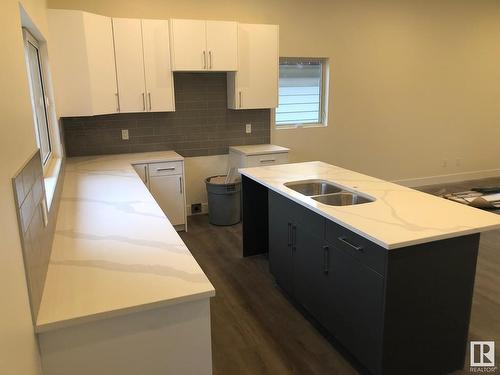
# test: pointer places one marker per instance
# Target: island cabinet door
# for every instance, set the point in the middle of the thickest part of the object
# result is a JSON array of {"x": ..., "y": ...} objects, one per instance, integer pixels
[
  {"x": 355, "y": 307},
  {"x": 280, "y": 242},
  {"x": 310, "y": 271}
]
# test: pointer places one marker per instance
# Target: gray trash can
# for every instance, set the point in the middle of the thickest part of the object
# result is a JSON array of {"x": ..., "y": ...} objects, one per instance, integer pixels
[{"x": 223, "y": 201}]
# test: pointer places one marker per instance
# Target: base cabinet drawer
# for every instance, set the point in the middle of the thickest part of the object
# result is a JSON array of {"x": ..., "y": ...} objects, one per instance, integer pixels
[
  {"x": 266, "y": 159},
  {"x": 165, "y": 168}
]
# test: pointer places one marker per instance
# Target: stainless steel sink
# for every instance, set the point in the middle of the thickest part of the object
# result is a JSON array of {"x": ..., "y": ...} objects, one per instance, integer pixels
[
  {"x": 328, "y": 193},
  {"x": 342, "y": 199},
  {"x": 313, "y": 187}
]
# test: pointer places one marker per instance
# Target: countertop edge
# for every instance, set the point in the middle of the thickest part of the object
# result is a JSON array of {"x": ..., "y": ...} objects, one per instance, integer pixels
[
  {"x": 283, "y": 150},
  {"x": 392, "y": 246},
  {"x": 66, "y": 323}
]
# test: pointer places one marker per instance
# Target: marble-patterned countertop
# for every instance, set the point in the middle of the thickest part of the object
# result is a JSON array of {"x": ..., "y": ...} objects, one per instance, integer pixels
[
  {"x": 399, "y": 216},
  {"x": 259, "y": 149},
  {"x": 114, "y": 250}
]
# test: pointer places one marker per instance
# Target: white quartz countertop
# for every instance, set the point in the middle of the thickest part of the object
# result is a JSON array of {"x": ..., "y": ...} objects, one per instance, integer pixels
[
  {"x": 399, "y": 216},
  {"x": 259, "y": 149},
  {"x": 114, "y": 250}
]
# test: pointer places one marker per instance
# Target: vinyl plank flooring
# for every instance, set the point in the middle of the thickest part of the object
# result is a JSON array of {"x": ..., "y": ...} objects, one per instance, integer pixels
[{"x": 257, "y": 330}]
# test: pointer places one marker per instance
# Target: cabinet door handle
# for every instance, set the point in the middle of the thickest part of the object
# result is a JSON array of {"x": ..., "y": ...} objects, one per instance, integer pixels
[
  {"x": 289, "y": 234},
  {"x": 146, "y": 174},
  {"x": 165, "y": 169},
  {"x": 204, "y": 59},
  {"x": 326, "y": 259},
  {"x": 180, "y": 184},
  {"x": 267, "y": 160},
  {"x": 350, "y": 244},
  {"x": 117, "y": 102},
  {"x": 149, "y": 97},
  {"x": 210, "y": 58},
  {"x": 239, "y": 93},
  {"x": 294, "y": 238},
  {"x": 143, "y": 102}
]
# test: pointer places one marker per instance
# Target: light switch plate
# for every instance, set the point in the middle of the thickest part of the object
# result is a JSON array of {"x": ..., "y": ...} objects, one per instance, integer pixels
[
  {"x": 248, "y": 128},
  {"x": 125, "y": 134}
]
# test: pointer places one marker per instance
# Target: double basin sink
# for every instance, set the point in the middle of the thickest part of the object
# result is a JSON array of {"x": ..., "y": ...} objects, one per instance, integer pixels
[{"x": 328, "y": 193}]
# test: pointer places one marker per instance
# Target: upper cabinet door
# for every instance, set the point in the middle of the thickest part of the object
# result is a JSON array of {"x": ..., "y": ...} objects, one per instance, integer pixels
[
  {"x": 101, "y": 62},
  {"x": 158, "y": 72},
  {"x": 83, "y": 63},
  {"x": 222, "y": 45},
  {"x": 129, "y": 64},
  {"x": 188, "y": 45},
  {"x": 255, "y": 85}
]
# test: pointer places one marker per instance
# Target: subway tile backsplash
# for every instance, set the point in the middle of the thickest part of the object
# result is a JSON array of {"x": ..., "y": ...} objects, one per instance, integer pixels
[{"x": 201, "y": 124}]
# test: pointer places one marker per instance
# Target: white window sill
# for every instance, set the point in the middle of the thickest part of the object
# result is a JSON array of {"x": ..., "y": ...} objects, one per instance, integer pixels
[
  {"x": 299, "y": 126},
  {"x": 50, "y": 178}
]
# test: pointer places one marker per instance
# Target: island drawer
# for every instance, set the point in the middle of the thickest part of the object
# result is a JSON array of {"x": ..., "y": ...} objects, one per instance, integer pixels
[
  {"x": 165, "y": 168},
  {"x": 367, "y": 252}
]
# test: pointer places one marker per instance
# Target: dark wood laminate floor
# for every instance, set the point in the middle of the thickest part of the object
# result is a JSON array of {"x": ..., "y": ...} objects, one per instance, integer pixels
[{"x": 256, "y": 330}]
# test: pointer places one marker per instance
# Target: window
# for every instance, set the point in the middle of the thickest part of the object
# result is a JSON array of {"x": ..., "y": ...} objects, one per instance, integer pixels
[
  {"x": 38, "y": 97},
  {"x": 303, "y": 89}
]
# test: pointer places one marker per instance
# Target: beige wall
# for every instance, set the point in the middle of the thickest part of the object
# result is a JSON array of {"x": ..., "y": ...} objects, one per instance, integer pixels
[
  {"x": 411, "y": 82},
  {"x": 18, "y": 350}
]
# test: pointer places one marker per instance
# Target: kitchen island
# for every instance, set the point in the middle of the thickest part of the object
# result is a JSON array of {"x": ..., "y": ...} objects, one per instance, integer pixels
[
  {"x": 123, "y": 294},
  {"x": 390, "y": 276}
]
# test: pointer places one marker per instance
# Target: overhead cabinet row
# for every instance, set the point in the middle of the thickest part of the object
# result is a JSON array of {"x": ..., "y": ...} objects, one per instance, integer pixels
[{"x": 103, "y": 65}]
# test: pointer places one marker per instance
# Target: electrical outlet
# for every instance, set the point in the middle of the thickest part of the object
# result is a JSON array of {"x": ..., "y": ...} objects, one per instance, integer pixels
[
  {"x": 445, "y": 163},
  {"x": 125, "y": 134},
  {"x": 196, "y": 208},
  {"x": 248, "y": 128}
]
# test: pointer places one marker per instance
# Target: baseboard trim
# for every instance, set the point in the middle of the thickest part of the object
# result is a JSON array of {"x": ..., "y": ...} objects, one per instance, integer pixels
[{"x": 448, "y": 178}]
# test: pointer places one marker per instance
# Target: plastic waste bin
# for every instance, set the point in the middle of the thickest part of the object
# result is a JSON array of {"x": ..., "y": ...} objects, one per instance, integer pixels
[{"x": 224, "y": 200}]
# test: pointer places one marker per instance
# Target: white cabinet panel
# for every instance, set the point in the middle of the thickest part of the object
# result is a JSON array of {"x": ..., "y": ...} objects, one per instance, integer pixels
[
  {"x": 158, "y": 73},
  {"x": 101, "y": 62},
  {"x": 188, "y": 44},
  {"x": 129, "y": 64},
  {"x": 255, "y": 85},
  {"x": 168, "y": 191},
  {"x": 83, "y": 62},
  {"x": 142, "y": 171},
  {"x": 222, "y": 45}
]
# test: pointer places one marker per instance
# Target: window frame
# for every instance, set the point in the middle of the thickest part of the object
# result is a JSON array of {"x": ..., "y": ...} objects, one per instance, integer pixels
[
  {"x": 30, "y": 39},
  {"x": 324, "y": 92}
]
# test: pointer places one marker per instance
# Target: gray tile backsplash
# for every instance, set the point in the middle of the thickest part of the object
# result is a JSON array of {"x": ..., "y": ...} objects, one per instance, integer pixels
[
  {"x": 201, "y": 124},
  {"x": 36, "y": 237}
]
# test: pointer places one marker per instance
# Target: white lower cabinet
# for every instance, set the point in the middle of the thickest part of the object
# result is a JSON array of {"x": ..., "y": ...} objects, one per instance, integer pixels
[
  {"x": 169, "y": 193},
  {"x": 165, "y": 181}
]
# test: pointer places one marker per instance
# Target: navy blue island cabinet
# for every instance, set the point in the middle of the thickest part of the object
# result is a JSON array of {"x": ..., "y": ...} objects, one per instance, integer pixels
[{"x": 399, "y": 311}]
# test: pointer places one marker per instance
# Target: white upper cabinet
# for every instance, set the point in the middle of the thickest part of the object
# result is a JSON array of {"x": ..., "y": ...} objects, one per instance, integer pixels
[
  {"x": 188, "y": 43},
  {"x": 129, "y": 64},
  {"x": 204, "y": 45},
  {"x": 255, "y": 84},
  {"x": 83, "y": 63},
  {"x": 157, "y": 69},
  {"x": 143, "y": 65},
  {"x": 222, "y": 45}
]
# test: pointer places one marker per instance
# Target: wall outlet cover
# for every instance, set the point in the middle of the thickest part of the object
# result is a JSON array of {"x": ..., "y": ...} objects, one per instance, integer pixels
[
  {"x": 248, "y": 128},
  {"x": 125, "y": 134},
  {"x": 196, "y": 208}
]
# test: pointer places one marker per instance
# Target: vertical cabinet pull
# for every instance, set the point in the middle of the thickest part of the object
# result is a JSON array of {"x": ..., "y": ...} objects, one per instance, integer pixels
[
  {"x": 294, "y": 238},
  {"x": 180, "y": 184},
  {"x": 289, "y": 234},
  {"x": 210, "y": 58},
  {"x": 326, "y": 259},
  {"x": 117, "y": 102},
  {"x": 149, "y": 97},
  {"x": 239, "y": 93},
  {"x": 143, "y": 102},
  {"x": 204, "y": 59},
  {"x": 146, "y": 174}
]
